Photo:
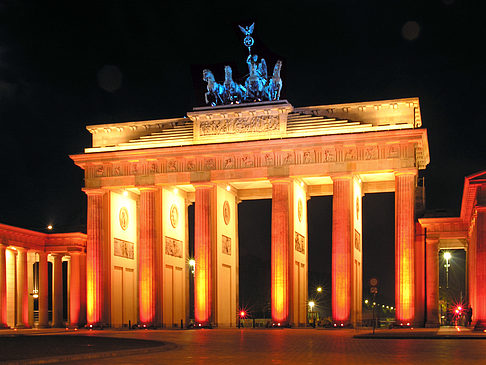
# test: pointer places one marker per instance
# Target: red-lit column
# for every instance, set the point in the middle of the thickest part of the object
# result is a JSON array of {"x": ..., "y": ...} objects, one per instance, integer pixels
[
  {"x": 432, "y": 277},
  {"x": 202, "y": 255},
  {"x": 280, "y": 251},
  {"x": 341, "y": 249},
  {"x": 22, "y": 289},
  {"x": 479, "y": 313},
  {"x": 43, "y": 291},
  {"x": 404, "y": 246},
  {"x": 57, "y": 320},
  {"x": 3, "y": 287},
  {"x": 147, "y": 257},
  {"x": 95, "y": 259},
  {"x": 75, "y": 289}
]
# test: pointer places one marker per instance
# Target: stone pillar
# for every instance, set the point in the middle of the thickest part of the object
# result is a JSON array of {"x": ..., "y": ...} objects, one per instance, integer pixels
[
  {"x": 75, "y": 289},
  {"x": 57, "y": 320},
  {"x": 22, "y": 289},
  {"x": 341, "y": 249},
  {"x": 147, "y": 257},
  {"x": 280, "y": 252},
  {"x": 404, "y": 246},
  {"x": 3, "y": 287},
  {"x": 95, "y": 261},
  {"x": 479, "y": 313},
  {"x": 203, "y": 237},
  {"x": 432, "y": 277},
  {"x": 43, "y": 291}
]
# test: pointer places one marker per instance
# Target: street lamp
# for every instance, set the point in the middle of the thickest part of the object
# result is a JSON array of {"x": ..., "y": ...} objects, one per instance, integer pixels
[
  {"x": 447, "y": 257},
  {"x": 311, "y": 307},
  {"x": 192, "y": 265},
  {"x": 319, "y": 289}
]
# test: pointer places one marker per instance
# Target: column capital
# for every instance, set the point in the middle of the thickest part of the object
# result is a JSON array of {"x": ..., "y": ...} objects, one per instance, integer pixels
[
  {"x": 283, "y": 179},
  {"x": 147, "y": 188},
  {"x": 343, "y": 176},
  {"x": 204, "y": 185},
  {"x": 89, "y": 191},
  {"x": 409, "y": 171}
]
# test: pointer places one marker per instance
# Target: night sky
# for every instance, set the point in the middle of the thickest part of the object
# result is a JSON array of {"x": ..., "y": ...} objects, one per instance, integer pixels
[{"x": 64, "y": 65}]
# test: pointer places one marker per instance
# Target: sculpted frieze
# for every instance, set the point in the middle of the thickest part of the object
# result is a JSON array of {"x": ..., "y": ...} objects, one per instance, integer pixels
[
  {"x": 328, "y": 155},
  {"x": 255, "y": 124}
]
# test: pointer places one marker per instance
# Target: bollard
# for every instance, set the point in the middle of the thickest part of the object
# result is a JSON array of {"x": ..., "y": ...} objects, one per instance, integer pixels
[
  {"x": 129, "y": 324},
  {"x": 182, "y": 325}
]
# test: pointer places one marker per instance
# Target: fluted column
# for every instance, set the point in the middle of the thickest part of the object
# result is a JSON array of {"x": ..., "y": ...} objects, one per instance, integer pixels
[
  {"x": 280, "y": 251},
  {"x": 57, "y": 320},
  {"x": 202, "y": 255},
  {"x": 432, "y": 277},
  {"x": 75, "y": 289},
  {"x": 341, "y": 248},
  {"x": 3, "y": 287},
  {"x": 95, "y": 288},
  {"x": 22, "y": 289},
  {"x": 147, "y": 257},
  {"x": 404, "y": 246},
  {"x": 43, "y": 290},
  {"x": 479, "y": 313}
]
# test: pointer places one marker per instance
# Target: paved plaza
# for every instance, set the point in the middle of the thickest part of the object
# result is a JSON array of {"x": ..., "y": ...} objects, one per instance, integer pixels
[{"x": 285, "y": 346}]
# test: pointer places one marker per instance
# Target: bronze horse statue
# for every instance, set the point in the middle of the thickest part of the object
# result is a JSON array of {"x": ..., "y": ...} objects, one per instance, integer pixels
[
  {"x": 233, "y": 92},
  {"x": 214, "y": 89},
  {"x": 272, "y": 90}
]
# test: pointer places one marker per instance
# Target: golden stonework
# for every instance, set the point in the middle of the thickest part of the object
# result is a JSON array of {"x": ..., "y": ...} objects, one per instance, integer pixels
[
  {"x": 226, "y": 212},
  {"x": 123, "y": 218},
  {"x": 357, "y": 208},
  {"x": 174, "y": 216},
  {"x": 299, "y": 210}
]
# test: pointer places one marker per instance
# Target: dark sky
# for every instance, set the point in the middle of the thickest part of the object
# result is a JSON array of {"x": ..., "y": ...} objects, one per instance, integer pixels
[{"x": 64, "y": 65}]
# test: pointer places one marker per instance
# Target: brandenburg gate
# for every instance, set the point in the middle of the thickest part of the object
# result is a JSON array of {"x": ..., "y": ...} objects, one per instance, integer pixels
[{"x": 141, "y": 176}]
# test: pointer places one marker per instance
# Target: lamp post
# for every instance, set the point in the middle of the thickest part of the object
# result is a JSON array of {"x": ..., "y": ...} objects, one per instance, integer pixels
[
  {"x": 311, "y": 307},
  {"x": 447, "y": 257}
]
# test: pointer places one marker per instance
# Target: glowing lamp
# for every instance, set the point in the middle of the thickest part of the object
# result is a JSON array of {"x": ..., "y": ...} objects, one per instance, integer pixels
[
  {"x": 125, "y": 193},
  {"x": 35, "y": 296},
  {"x": 366, "y": 301},
  {"x": 447, "y": 255},
  {"x": 192, "y": 263},
  {"x": 242, "y": 314},
  {"x": 49, "y": 227},
  {"x": 228, "y": 188},
  {"x": 319, "y": 289},
  {"x": 311, "y": 305}
]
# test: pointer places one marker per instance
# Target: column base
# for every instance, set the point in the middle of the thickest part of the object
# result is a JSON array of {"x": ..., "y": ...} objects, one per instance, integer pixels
[
  {"x": 480, "y": 325},
  {"x": 42, "y": 326},
  {"x": 23, "y": 326}
]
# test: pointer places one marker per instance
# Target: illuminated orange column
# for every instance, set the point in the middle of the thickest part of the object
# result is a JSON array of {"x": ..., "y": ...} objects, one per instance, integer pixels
[
  {"x": 432, "y": 277},
  {"x": 94, "y": 258},
  {"x": 202, "y": 255},
  {"x": 22, "y": 289},
  {"x": 404, "y": 246},
  {"x": 3, "y": 287},
  {"x": 280, "y": 251},
  {"x": 341, "y": 249},
  {"x": 147, "y": 257},
  {"x": 479, "y": 313},
  {"x": 43, "y": 291},
  {"x": 74, "y": 289}
]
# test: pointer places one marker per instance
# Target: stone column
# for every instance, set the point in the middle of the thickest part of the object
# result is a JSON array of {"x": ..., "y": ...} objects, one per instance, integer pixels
[
  {"x": 75, "y": 289},
  {"x": 432, "y": 277},
  {"x": 43, "y": 291},
  {"x": 57, "y": 320},
  {"x": 341, "y": 249},
  {"x": 202, "y": 255},
  {"x": 404, "y": 246},
  {"x": 22, "y": 289},
  {"x": 147, "y": 257},
  {"x": 95, "y": 260},
  {"x": 280, "y": 251},
  {"x": 3, "y": 287},
  {"x": 479, "y": 313}
]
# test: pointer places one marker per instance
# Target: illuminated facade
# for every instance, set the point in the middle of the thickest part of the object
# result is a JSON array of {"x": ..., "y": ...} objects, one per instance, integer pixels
[
  {"x": 468, "y": 232},
  {"x": 141, "y": 176},
  {"x": 28, "y": 260}
]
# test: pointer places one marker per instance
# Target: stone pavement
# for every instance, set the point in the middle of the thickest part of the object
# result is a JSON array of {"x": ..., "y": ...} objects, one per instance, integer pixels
[{"x": 293, "y": 346}]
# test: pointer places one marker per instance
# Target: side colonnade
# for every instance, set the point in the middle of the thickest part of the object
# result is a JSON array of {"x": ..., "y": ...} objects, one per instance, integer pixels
[{"x": 31, "y": 278}]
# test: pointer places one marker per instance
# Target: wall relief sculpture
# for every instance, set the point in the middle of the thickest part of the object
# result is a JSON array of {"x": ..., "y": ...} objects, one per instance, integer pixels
[{"x": 173, "y": 247}]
